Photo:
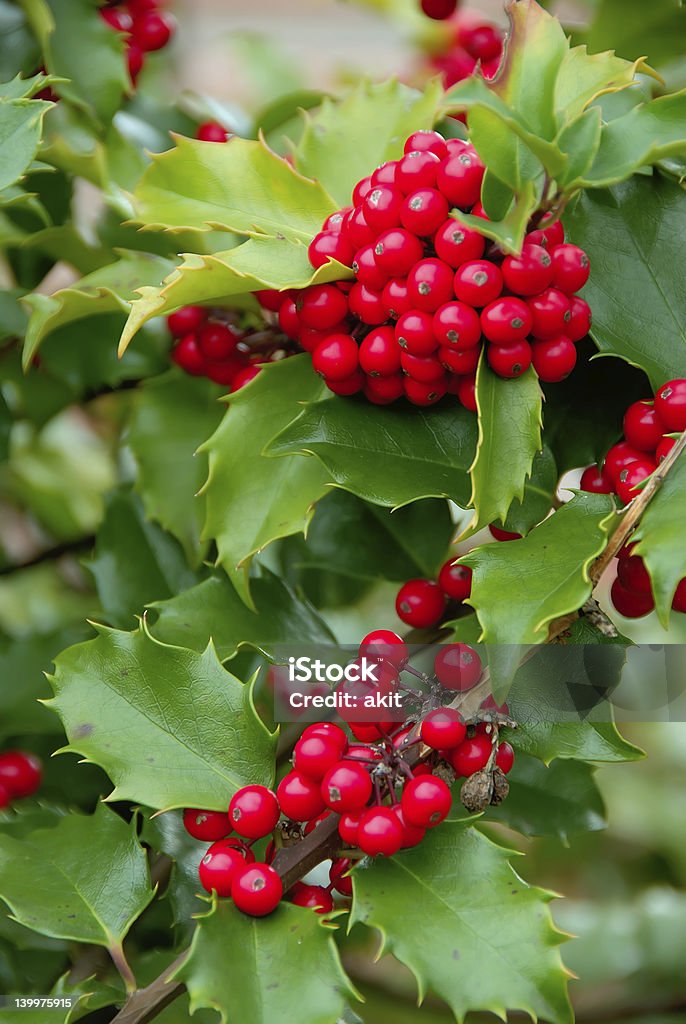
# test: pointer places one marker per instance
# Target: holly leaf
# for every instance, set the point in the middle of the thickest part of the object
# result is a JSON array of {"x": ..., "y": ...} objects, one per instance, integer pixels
[
  {"x": 170, "y": 726},
  {"x": 510, "y": 421},
  {"x": 213, "y": 611},
  {"x": 94, "y": 879},
  {"x": 633, "y": 233},
  {"x": 561, "y": 800},
  {"x": 539, "y": 495},
  {"x": 21, "y": 129},
  {"x": 633, "y": 29},
  {"x": 251, "y": 500},
  {"x": 439, "y": 922},
  {"x": 659, "y": 538},
  {"x": 583, "y": 77},
  {"x": 171, "y": 416},
  {"x": 244, "y": 188},
  {"x": 106, "y": 290},
  {"x": 581, "y": 741},
  {"x": 166, "y": 834},
  {"x": 389, "y": 456},
  {"x": 344, "y": 141},
  {"x": 5, "y": 429},
  {"x": 508, "y": 232},
  {"x": 554, "y": 559},
  {"x": 275, "y": 970}
]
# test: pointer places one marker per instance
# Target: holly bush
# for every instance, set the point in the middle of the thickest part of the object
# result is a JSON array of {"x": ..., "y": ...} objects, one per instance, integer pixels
[{"x": 256, "y": 388}]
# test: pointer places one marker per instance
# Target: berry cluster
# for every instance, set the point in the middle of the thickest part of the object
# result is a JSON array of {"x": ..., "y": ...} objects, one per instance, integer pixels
[
  {"x": 20, "y": 776},
  {"x": 473, "y": 42},
  {"x": 421, "y": 603},
  {"x": 145, "y": 27},
  {"x": 651, "y": 427},
  {"x": 388, "y": 785},
  {"x": 429, "y": 293},
  {"x": 209, "y": 343}
]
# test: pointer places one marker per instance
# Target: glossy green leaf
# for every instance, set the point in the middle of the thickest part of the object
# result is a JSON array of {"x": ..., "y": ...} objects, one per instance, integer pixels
[
  {"x": 580, "y": 140},
  {"x": 501, "y": 151},
  {"x": 244, "y": 187},
  {"x": 273, "y": 970},
  {"x": 389, "y": 456},
  {"x": 5, "y": 428},
  {"x": 212, "y": 610},
  {"x": 539, "y": 494},
  {"x": 633, "y": 234},
  {"x": 106, "y": 290},
  {"x": 170, "y": 726},
  {"x": 21, "y": 127},
  {"x": 94, "y": 879},
  {"x": 583, "y": 77},
  {"x": 165, "y": 833},
  {"x": 20, "y": 88},
  {"x": 634, "y": 29},
  {"x": 582, "y": 741},
  {"x": 660, "y": 537},
  {"x": 561, "y": 800},
  {"x": 510, "y": 421},
  {"x": 508, "y": 232},
  {"x": 344, "y": 141},
  {"x": 554, "y": 559},
  {"x": 434, "y": 907},
  {"x": 252, "y": 500}
]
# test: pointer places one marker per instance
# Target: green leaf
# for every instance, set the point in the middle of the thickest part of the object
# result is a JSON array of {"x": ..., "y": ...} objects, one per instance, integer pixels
[
  {"x": 212, "y": 610},
  {"x": 274, "y": 970},
  {"x": 562, "y": 800},
  {"x": 634, "y": 233},
  {"x": 434, "y": 907},
  {"x": 21, "y": 128},
  {"x": 554, "y": 559},
  {"x": 166, "y": 833},
  {"x": 580, "y": 140},
  {"x": 5, "y": 428},
  {"x": 171, "y": 727},
  {"x": 539, "y": 495},
  {"x": 508, "y": 232},
  {"x": 344, "y": 141},
  {"x": 134, "y": 562},
  {"x": 20, "y": 88},
  {"x": 510, "y": 421},
  {"x": 582, "y": 741},
  {"x": 94, "y": 879},
  {"x": 634, "y": 29},
  {"x": 389, "y": 456},
  {"x": 650, "y": 132},
  {"x": 244, "y": 187},
  {"x": 106, "y": 290},
  {"x": 252, "y": 500},
  {"x": 171, "y": 416},
  {"x": 501, "y": 151},
  {"x": 660, "y": 538},
  {"x": 583, "y": 77}
]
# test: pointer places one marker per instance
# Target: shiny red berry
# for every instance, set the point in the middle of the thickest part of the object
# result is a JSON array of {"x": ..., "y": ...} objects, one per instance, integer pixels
[
  {"x": 289, "y": 321},
  {"x": 472, "y": 755},
  {"x": 679, "y": 599},
  {"x": 254, "y": 811},
  {"x": 367, "y": 269},
  {"x": 506, "y": 320},
  {"x": 314, "y": 755},
  {"x": 459, "y": 179},
  {"x": 348, "y": 825},
  {"x": 549, "y": 237},
  {"x": 395, "y": 298},
  {"x": 456, "y": 244},
  {"x": 218, "y": 868},
  {"x": 629, "y": 603},
  {"x": 642, "y": 428},
  {"x": 356, "y": 229},
  {"x": 416, "y": 170},
  {"x": 423, "y": 393},
  {"x": 505, "y": 758},
  {"x": 347, "y": 786},
  {"x": 425, "y": 801},
  {"x": 186, "y": 320},
  {"x": 396, "y": 252},
  {"x": 618, "y": 458},
  {"x": 554, "y": 359},
  {"x": 321, "y": 306},
  {"x": 206, "y": 825},
  {"x": 366, "y": 304},
  {"x": 336, "y": 358},
  {"x": 382, "y": 207},
  {"x": 670, "y": 405},
  {"x": 511, "y": 360},
  {"x": 218, "y": 341},
  {"x": 412, "y": 834},
  {"x": 186, "y": 354},
  {"x": 503, "y": 535},
  {"x": 551, "y": 312},
  {"x": 455, "y": 581},
  {"x": 459, "y": 362},
  {"x": 152, "y": 31},
  {"x": 457, "y": 667},
  {"x": 379, "y": 353},
  {"x": 430, "y": 284},
  {"x": 426, "y": 140},
  {"x": 630, "y": 478},
  {"x": 664, "y": 448},
  {"x": 424, "y": 211},
  {"x": 595, "y": 480},
  {"x": 420, "y": 603},
  {"x": 379, "y": 832},
  {"x": 426, "y": 369},
  {"x": 21, "y": 773},
  {"x": 457, "y": 325},
  {"x": 117, "y": 18},
  {"x": 478, "y": 282},
  {"x": 211, "y": 131},
  {"x": 384, "y": 390},
  {"x": 633, "y": 574},
  {"x": 443, "y": 729},
  {"x": 571, "y": 268},
  {"x": 530, "y": 272},
  {"x": 339, "y": 875},
  {"x": 299, "y": 796},
  {"x": 579, "y": 323},
  {"x": 330, "y": 245},
  {"x": 386, "y": 645},
  {"x": 414, "y": 333},
  {"x": 315, "y": 897},
  {"x": 256, "y": 889},
  {"x": 465, "y": 390}
]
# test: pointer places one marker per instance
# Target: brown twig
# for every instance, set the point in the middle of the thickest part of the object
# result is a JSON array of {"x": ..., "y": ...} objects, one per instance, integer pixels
[{"x": 75, "y": 547}]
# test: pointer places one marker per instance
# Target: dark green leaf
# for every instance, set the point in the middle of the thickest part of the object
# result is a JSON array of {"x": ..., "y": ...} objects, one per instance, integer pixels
[
  {"x": 634, "y": 29},
  {"x": 21, "y": 127}
]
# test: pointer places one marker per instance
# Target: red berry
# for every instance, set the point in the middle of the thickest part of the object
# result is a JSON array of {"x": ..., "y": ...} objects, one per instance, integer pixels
[
  {"x": 256, "y": 889},
  {"x": 254, "y": 811},
  {"x": 459, "y": 179},
  {"x": 478, "y": 282},
  {"x": 224, "y": 372},
  {"x": 642, "y": 428},
  {"x": 459, "y": 362},
  {"x": 457, "y": 667},
  {"x": 289, "y": 321},
  {"x": 633, "y": 574},
  {"x": 218, "y": 868},
  {"x": 456, "y": 244},
  {"x": 20, "y": 773},
  {"x": 322, "y": 306},
  {"x": 439, "y": 10},
  {"x": 385, "y": 173},
  {"x": 580, "y": 320},
  {"x": 211, "y": 131},
  {"x": 366, "y": 304},
  {"x": 503, "y": 535},
  {"x": 412, "y": 834},
  {"x": 632, "y": 476},
  {"x": 554, "y": 359},
  {"x": 134, "y": 61},
  {"x": 386, "y": 645},
  {"x": 330, "y": 245},
  {"x": 423, "y": 211},
  {"x": 362, "y": 190},
  {"x": 206, "y": 825},
  {"x": 188, "y": 356},
  {"x": 551, "y": 313},
  {"x": 335, "y": 221},
  {"x": 348, "y": 386},
  {"x": 618, "y": 458},
  {"x": 244, "y": 377},
  {"x": 314, "y": 755},
  {"x": 664, "y": 448},
  {"x": 382, "y": 207},
  {"x": 347, "y": 827},
  {"x": 509, "y": 361},
  {"x": 396, "y": 252},
  {"x": 483, "y": 42},
  {"x": 504, "y": 758},
  {"x": 506, "y": 320},
  {"x": 346, "y": 787},
  {"x": 330, "y": 731},
  {"x": 379, "y": 353},
  {"x": 270, "y": 298},
  {"x": 384, "y": 390},
  {"x": 549, "y": 237},
  {"x": 430, "y": 284},
  {"x": 395, "y": 299},
  {"x": 299, "y": 795},
  {"x": 595, "y": 480},
  {"x": 424, "y": 392},
  {"x": 218, "y": 341},
  {"x": 186, "y": 320},
  {"x": 414, "y": 333},
  {"x": 466, "y": 392},
  {"x": 367, "y": 269},
  {"x": 530, "y": 272},
  {"x": 425, "y": 369},
  {"x": 629, "y": 603},
  {"x": 443, "y": 729},
  {"x": 315, "y": 897},
  {"x": 455, "y": 581},
  {"x": 427, "y": 140},
  {"x": 339, "y": 876},
  {"x": 152, "y": 31},
  {"x": 670, "y": 405},
  {"x": 420, "y": 603},
  {"x": 571, "y": 268},
  {"x": 457, "y": 325},
  {"x": 357, "y": 230},
  {"x": 425, "y": 801},
  {"x": 118, "y": 19},
  {"x": 336, "y": 358},
  {"x": 472, "y": 755},
  {"x": 379, "y": 832},
  {"x": 417, "y": 169},
  {"x": 679, "y": 600}
]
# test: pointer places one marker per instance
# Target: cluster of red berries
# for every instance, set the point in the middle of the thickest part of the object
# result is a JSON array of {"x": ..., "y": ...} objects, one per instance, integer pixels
[
  {"x": 429, "y": 292},
  {"x": 651, "y": 427},
  {"x": 421, "y": 603},
  {"x": 20, "y": 776},
  {"x": 145, "y": 27},
  {"x": 209, "y": 343},
  {"x": 472, "y": 41},
  {"x": 387, "y": 786}
]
